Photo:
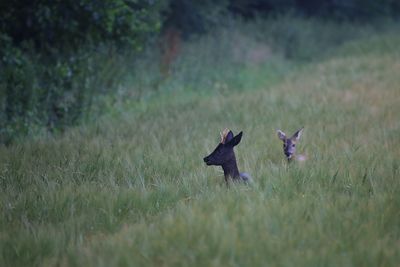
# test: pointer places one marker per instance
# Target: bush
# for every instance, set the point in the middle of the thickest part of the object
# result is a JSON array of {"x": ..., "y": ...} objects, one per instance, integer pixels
[
  {"x": 57, "y": 56},
  {"x": 49, "y": 93},
  {"x": 69, "y": 24}
]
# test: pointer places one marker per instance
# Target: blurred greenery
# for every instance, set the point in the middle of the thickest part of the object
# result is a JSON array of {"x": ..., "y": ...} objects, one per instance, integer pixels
[
  {"x": 56, "y": 56},
  {"x": 59, "y": 60}
]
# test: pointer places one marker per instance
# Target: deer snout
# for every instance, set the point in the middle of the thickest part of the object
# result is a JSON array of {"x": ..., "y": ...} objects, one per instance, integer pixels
[
  {"x": 207, "y": 160},
  {"x": 288, "y": 154},
  {"x": 289, "y": 151}
]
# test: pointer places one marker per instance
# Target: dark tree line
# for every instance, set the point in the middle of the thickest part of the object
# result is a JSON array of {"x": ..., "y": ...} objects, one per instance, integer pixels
[
  {"x": 196, "y": 16},
  {"x": 333, "y": 9}
]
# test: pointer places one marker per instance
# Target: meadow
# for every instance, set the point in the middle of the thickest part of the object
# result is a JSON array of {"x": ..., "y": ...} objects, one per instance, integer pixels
[{"x": 130, "y": 188}]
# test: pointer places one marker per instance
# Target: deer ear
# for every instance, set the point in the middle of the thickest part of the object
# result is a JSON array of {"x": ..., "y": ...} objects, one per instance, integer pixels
[
  {"x": 236, "y": 140},
  {"x": 281, "y": 135},
  {"x": 229, "y": 137},
  {"x": 296, "y": 136}
]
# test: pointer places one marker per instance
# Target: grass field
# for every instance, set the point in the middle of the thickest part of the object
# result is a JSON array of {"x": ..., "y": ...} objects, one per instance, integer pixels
[{"x": 131, "y": 189}]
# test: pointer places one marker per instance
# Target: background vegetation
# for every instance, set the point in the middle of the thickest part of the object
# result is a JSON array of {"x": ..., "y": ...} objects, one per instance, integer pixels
[
  {"x": 125, "y": 185},
  {"x": 59, "y": 57}
]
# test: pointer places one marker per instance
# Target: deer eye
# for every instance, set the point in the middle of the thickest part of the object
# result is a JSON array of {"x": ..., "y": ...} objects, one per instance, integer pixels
[{"x": 293, "y": 145}]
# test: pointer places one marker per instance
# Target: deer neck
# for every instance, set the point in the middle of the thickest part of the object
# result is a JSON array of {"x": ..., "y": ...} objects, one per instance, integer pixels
[{"x": 230, "y": 169}]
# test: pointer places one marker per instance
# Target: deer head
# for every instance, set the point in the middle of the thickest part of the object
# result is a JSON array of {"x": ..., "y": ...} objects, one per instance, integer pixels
[
  {"x": 289, "y": 144},
  {"x": 224, "y": 156}
]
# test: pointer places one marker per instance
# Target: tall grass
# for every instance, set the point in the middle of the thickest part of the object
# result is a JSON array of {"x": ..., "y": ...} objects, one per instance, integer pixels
[{"x": 130, "y": 188}]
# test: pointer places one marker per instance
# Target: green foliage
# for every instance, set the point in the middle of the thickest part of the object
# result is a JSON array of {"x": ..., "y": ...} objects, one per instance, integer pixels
[
  {"x": 49, "y": 93},
  {"x": 311, "y": 39},
  {"x": 194, "y": 17},
  {"x": 58, "y": 56},
  {"x": 41, "y": 93},
  {"x": 62, "y": 62},
  {"x": 17, "y": 85},
  {"x": 231, "y": 57},
  {"x": 71, "y": 24},
  {"x": 339, "y": 10}
]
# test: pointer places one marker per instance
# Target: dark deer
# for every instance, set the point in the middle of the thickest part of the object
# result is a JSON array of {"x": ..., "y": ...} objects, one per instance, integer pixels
[
  {"x": 224, "y": 156},
  {"x": 289, "y": 145}
]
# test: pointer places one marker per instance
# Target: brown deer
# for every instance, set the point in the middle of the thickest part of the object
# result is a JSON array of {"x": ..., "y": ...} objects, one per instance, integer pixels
[
  {"x": 170, "y": 45},
  {"x": 289, "y": 145},
  {"x": 224, "y": 156}
]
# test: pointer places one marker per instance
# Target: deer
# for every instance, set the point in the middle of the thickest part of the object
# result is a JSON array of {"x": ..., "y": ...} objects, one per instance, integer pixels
[
  {"x": 289, "y": 145},
  {"x": 224, "y": 156},
  {"x": 170, "y": 46}
]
